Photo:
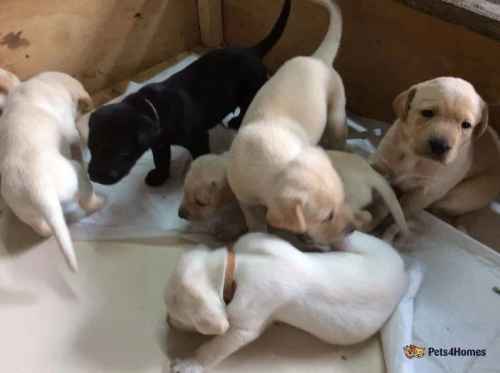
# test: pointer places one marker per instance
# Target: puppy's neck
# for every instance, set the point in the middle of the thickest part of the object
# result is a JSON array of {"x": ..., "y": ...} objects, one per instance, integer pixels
[{"x": 216, "y": 266}]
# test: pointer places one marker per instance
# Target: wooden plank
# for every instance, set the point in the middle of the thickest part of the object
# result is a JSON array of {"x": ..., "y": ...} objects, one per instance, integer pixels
[
  {"x": 248, "y": 22},
  {"x": 99, "y": 42},
  {"x": 119, "y": 88},
  {"x": 386, "y": 47},
  {"x": 210, "y": 18},
  {"x": 482, "y": 16}
]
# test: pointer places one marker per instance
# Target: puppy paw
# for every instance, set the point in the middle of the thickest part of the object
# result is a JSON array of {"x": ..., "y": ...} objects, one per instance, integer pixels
[
  {"x": 42, "y": 228},
  {"x": 186, "y": 366},
  {"x": 156, "y": 178},
  {"x": 395, "y": 236},
  {"x": 93, "y": 204}
]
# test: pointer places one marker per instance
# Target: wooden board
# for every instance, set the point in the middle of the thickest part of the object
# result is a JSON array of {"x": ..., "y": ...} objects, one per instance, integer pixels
[
  {"x": 386, "y": 47},
  {"x": 97, "y": 41},
  {"x": 248, "y": 22},
  {"x": 479, "y": 15},
  {"x": 210, "y": 16}
]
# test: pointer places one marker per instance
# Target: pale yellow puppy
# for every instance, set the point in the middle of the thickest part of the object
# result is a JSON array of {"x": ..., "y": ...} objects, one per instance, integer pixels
[
  {"x": 39, "y": 173},
  {"x": 208, "y": 197},
  {"x": 367, "y": 192},
  {"x": 276, "y": 170},
  {"x": 440, "y": 153}
]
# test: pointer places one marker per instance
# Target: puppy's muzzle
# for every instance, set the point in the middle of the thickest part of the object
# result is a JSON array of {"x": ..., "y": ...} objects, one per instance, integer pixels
[{"x": 439, "y": 147}]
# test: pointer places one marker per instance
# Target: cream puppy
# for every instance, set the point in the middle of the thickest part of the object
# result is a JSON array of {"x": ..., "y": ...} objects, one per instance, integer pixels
[
  {"x": 209, "y": 199},
  {"x": 275, "y": 167},
  {"x": 440, "y": 153},
  {"x": 368, "y": 193},
  {"x": 37, "y": 136},
  {"x": 340, "y": 297}
]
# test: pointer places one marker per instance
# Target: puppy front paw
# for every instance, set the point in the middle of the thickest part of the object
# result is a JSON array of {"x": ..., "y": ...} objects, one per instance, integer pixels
[
  {"x": 156, "y": 178},
  {"x": 93, "y": 204},
  {"x": 186, "y": 366}
]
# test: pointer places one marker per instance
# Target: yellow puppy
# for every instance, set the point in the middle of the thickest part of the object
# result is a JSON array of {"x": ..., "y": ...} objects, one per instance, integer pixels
[
  {"x": 440, "y": 153},
  {"x": 208, "y": 197},
  {"x": 361, "y": 183}
]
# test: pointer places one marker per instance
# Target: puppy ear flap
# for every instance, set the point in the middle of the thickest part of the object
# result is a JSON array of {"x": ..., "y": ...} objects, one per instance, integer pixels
[
  {"x": 483, "y": 124},
  {"x": 291, "y": 218},
  {"x": 402, "y": 103}
]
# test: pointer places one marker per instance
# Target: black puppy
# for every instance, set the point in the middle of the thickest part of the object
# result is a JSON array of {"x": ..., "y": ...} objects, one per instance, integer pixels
[{"x": 180, "y": 110}]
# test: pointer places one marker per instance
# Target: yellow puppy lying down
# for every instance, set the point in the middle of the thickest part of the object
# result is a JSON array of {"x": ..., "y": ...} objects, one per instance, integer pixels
[
  {"x": 361, "y": 182},
  {"x": 207, "y": 196}
]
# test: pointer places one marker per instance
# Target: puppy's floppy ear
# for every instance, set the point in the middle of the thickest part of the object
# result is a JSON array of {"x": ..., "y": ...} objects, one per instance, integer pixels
[
  {"x": 289, "y": 217},
  {"x": 482, "y": 126},
  {"x": 402, "y": 103}
]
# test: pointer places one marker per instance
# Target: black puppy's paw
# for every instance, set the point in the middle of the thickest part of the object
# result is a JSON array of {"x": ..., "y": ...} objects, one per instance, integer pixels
[{"x": 156, "y": 178}]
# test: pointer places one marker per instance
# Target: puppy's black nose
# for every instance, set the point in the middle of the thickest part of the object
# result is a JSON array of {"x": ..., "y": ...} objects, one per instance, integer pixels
[
  {"x": 439, "y": 146},
  {"x": 183, "y": 213}
]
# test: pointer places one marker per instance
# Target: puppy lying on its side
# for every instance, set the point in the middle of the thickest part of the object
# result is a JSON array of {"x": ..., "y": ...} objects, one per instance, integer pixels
[
  {"x": 208, "y": 197},
  {"x": 275, "y": 165},
  {"x": 37, "y": 136},
  {"x": 340, "y": 297},
  {"x": 361, "y": 182},
  {"x": 440, "y": 153},
  {"x": 180, "y": 110}
]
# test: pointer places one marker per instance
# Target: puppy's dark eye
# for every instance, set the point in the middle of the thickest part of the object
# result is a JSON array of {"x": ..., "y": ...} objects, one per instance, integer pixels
[
  {"x": 200, "y": 203},
  {"x": 466, "y": 125},
  {"x": 427, "y": 113},
  {"x": 329, "y": 217}
]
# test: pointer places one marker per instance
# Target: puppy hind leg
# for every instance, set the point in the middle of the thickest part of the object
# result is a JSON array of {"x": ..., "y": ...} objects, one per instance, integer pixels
[
  {"x": 200, "y": 145},
  {"x": 335, "y": 135},
  {"x": 35, "y": 220},
  {"x": 162, "y": 154},
  {"x": 470, "y": 195},
  {"x": 87, "y": 198}
]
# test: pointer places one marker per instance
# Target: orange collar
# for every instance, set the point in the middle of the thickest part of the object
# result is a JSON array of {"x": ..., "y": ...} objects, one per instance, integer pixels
[{"x": 229, "y": 282}]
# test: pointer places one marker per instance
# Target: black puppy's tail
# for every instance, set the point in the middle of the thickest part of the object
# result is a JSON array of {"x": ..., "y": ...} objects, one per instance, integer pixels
[{"x": 268, "y": 43}]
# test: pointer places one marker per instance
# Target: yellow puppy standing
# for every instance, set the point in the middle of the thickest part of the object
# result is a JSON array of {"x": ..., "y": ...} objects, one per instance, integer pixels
[{"x": 276, "y": 170}]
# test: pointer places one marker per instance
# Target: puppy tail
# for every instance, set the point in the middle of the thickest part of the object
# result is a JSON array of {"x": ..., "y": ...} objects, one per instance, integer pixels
[
  {"x": 329, "y": 47},
  {"x": 390, "y": 198},
  {"x": 268, "y": 43},
  {"x": 8, "y": 81},
  {"x": 51, "y": 210}
]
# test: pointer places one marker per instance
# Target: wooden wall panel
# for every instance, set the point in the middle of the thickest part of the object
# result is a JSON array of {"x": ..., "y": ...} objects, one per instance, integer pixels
[
  {"x": 386, "y": 47},
  {"x": 98, "y": 41},
  {"x": 248, "y": 22}
]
